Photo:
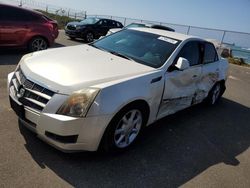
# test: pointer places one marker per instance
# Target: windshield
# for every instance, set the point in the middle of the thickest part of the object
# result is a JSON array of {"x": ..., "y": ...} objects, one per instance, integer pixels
[
  {"x": 90, "y": 20},
  {"x": 145, "y": 48}
]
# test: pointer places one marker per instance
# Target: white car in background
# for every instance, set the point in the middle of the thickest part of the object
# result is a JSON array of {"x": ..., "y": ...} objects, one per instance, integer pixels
[
  {"x": 139, "y": 25},
  {"x": 103, "y": 94}
]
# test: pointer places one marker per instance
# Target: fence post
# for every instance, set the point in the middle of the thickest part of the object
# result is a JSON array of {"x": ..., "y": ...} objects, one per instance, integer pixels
[
  {"x": 222, "y": 39},
  {"x": 68, "y": 12},
  {"x": 21, "y": 3},
  {"x": 75, "y": 15},
  {"x": 188, "y": 30},
  {"x": 125, "y": 22},
  {"x": 85, "y": 14},
  {"x": 47, "y": 8}
]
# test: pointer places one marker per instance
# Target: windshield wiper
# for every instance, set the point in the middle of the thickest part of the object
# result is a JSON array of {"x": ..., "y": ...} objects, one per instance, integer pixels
[
  {"x": 120, "y": 55},
  {"x": 112, "y": 52}
]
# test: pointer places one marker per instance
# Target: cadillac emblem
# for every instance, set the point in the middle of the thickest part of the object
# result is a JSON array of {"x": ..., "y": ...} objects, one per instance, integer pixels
[{"x": 21, "y": 92}]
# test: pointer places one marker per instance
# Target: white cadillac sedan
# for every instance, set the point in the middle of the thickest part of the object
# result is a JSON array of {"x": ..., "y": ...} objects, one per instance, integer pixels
[{"x": 102, "y": 95}]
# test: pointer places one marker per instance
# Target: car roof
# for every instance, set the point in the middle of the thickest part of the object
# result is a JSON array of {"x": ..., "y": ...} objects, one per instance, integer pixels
[
  {"x": 155, "y": 26},
  {"x": 175, "y": 35},
  {"x": 22, "y": 8}
]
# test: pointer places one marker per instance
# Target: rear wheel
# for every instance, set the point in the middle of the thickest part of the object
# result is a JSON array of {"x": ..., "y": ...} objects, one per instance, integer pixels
[
  {"x": 215, "y": 93},
  {"x": 37, "y": 44},
  {"x": 124, "y": 129}
]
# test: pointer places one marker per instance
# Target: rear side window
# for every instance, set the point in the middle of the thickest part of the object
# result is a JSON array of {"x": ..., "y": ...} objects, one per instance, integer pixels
[
  {"x": 103, "y": 23},
  {"x": 119, "y": 25},
  {"x": 111, "y": 23},
  {"x": 210, "y": 54}
]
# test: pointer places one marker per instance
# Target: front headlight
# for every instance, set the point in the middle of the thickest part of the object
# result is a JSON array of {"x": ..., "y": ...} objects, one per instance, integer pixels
[{"x": 78, "y": 103}]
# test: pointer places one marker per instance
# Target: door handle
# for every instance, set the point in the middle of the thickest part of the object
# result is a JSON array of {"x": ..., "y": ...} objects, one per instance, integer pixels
[{"x": 156, "y": 79}]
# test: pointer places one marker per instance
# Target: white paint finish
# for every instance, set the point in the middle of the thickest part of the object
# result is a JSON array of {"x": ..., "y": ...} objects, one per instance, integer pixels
[
  {"x": 121, "y": 81},
  {"x": 89, "y": 66},
  {"x": 180, "y": 88},
  {"x": 210, "y": 75},
  {"x": 115, "y": 96},
  {"x": 10, "y": 75}
]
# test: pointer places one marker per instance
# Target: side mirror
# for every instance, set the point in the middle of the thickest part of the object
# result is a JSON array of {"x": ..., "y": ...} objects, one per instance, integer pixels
[{"x": 182, "y": 63}]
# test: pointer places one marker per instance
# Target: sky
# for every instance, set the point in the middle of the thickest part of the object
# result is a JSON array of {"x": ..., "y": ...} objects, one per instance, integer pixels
[
  {"x": 231, "y": 15},
  {"x": 221, "y": 14}
]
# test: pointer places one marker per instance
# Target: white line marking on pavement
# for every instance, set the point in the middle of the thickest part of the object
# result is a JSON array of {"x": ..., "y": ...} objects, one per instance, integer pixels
[{"x": 233, "y": 78}]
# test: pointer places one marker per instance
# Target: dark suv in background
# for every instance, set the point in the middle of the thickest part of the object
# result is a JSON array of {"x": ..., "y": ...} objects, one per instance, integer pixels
[
  {"x": 25, "y": 28},
  {"x": 90, "y": 28}
]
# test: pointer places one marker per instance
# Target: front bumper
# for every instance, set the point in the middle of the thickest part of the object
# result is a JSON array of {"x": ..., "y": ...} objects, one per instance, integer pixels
[
  {"x": 86, "y": 133},
  {"x": 74, "y": 33},
  {"x": 65, "y": 133}
]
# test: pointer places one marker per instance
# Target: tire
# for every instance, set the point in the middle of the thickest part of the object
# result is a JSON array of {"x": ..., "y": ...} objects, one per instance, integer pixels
[
  {"x": 124, "y": 129},
  {"x": 215, "y": 93},
  {"x": 89, "y": 37},
  {"x": 37, "y": 44}
]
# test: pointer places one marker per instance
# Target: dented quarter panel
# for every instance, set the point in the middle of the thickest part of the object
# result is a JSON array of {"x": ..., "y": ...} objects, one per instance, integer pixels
[{"x": 209, "y": 76}]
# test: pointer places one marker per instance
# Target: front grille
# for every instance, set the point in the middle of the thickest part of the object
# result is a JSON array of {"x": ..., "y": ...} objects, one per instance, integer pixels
[
  {"x": 71, "y": 27},
  {"x": 29, "y": 93}
]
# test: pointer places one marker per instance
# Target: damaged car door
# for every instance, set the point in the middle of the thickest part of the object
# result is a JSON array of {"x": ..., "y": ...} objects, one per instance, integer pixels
[{"x": 182, "y": 80}]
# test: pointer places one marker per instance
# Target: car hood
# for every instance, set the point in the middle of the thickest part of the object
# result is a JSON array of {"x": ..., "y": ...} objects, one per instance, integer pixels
[{"x": 68, "y": 69}]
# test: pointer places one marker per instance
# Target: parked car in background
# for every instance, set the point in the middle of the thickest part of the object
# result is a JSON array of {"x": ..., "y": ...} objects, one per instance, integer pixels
[
  {"x": 146, "y": 25},
  {"x": 90, "y": 28},
  {"x": 25, "y": 28},
  {"x": 116, "y": 86}
]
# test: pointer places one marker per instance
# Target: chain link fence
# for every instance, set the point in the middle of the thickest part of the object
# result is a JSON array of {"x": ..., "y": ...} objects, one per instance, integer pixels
[
  {"x": 237, "y": 42},
  {"x": 58, "y": 10}
]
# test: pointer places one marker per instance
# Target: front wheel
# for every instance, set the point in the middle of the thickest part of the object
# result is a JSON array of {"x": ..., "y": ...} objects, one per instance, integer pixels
[
  {"x": 124, "y": 129},
  {"x": 89, "y": 37}
]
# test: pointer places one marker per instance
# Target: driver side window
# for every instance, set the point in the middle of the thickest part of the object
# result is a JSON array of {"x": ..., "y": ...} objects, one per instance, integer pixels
[{"x": 191, "y": 52}]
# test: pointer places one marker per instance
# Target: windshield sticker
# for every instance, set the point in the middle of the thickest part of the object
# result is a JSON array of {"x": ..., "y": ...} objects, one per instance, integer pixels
[{"x": 167, "y": 40}]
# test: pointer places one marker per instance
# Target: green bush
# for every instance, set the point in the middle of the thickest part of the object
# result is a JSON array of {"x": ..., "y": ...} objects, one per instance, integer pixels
[
  {"x": 61, "y": 20},
  {"x": 237, "y": 61}
]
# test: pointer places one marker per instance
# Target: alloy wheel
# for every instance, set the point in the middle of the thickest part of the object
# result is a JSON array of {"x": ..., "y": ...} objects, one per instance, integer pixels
[
  {"x": 128, "y": 128},
  {"x": 38, "y": 44}
]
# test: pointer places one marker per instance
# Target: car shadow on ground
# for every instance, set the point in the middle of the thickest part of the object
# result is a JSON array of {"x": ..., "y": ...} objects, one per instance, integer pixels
[
  {"x": 11, "y": 56},
  {"x": 169, "y": 154},
  {"x": 78, "y": 40}
]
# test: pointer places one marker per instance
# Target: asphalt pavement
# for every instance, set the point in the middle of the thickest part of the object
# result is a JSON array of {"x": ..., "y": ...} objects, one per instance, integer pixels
[{"x": 199, "y": 147}]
